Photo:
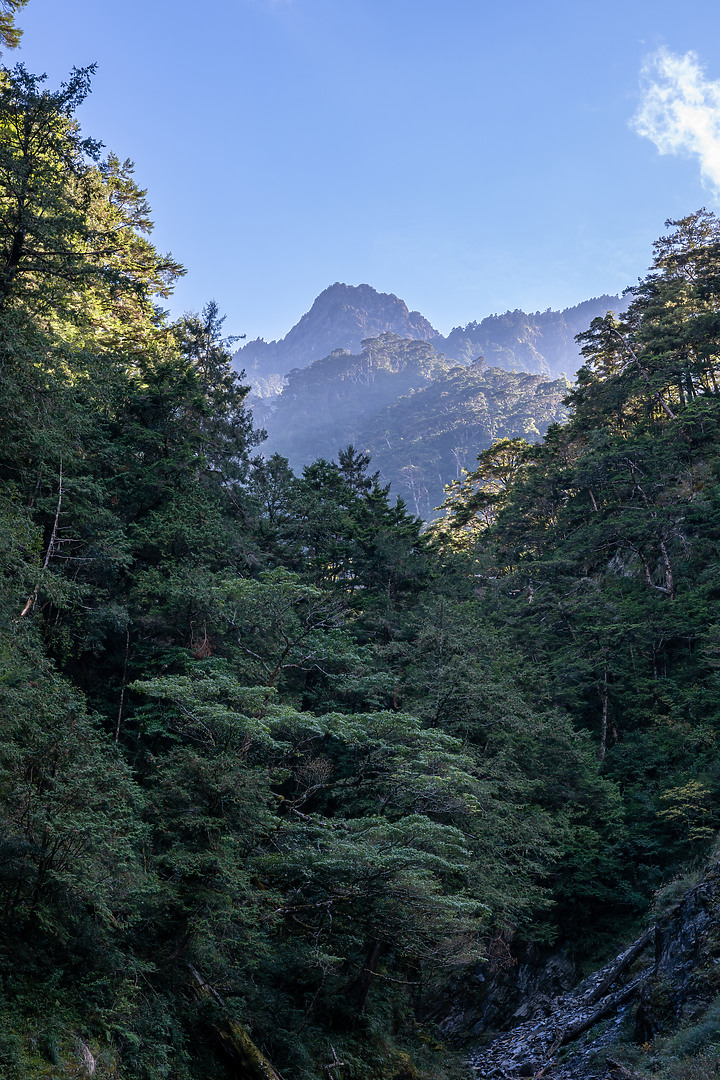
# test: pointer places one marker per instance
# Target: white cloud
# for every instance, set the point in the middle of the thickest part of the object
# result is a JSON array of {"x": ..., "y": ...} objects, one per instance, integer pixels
[{"x": 680, "y": 111}]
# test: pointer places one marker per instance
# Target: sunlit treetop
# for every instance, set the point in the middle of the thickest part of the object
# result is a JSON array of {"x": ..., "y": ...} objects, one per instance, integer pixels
[{"x": 10, "y": 34}]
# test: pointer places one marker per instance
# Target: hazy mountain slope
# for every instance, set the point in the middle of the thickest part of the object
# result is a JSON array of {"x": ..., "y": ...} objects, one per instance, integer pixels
[
  {"x": 392, "y": 391},
  {"x": 325, "y": 405},
  {"x": 422, "y": 419},
  {"x": 542, "y": 342},
  {"x": 423, "y": 441},
  {"x": 344, "y": 315},
  {"x": 340, "y": 318}
]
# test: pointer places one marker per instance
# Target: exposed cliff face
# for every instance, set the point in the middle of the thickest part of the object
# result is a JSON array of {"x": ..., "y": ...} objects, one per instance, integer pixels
[
  {"x": 666, "y": 981},
  {"x": 340, "y": 318}
]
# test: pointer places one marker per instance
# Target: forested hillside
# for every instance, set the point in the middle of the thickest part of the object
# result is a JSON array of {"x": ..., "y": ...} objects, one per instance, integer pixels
[
  {"x": 421, "y": 418},
  {"x": 597, "y": 552},
  {"x": 280, "y": 769},
  {"x": 325, "y": 406},
  {"x": 430, "y": 437}
]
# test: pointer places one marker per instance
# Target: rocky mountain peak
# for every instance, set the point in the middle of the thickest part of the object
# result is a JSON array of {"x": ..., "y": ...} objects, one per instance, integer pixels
[
  {"x": 362, "y": 312},
  {"x": 341, "y": 317}
]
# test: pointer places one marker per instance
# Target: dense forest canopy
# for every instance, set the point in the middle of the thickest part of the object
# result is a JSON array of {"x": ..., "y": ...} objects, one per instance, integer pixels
[{"x": 279, "y": 767}]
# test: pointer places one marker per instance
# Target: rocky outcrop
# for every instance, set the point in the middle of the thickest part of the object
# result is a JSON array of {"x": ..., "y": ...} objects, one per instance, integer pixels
[{"x": 665, "y": 978}]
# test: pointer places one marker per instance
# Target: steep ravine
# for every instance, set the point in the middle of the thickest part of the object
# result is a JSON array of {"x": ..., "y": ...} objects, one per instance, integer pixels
[{"x": 664, "y": 981}]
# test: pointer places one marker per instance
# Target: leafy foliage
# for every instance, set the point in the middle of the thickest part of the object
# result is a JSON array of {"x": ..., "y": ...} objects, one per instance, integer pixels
[{"x": 10, "y": 34}]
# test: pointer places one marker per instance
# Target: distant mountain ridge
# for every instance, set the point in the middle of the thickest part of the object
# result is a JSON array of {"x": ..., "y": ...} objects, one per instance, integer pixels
[
  {"x": 360, "y": 367},
  {"x": 541, "y": 343},
  {"x": 342, "y": 316}
]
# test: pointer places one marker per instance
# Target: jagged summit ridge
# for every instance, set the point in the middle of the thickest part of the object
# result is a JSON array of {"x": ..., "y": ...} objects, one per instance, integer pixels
[{"x": 361, "y": 312}]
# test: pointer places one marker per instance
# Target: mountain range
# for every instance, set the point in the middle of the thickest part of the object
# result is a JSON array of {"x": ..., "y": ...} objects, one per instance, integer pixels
[{"x": 342, "y": 316}]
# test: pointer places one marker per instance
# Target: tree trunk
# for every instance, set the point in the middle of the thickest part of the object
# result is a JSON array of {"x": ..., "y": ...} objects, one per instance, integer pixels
[
  {"x": 360, "y": 986},
  {"x": 11, "y": 264},
  {"x": 233, "y": 1040},
  {"x": 50, "y": 548},
  {"x": 604, "y": 726},
  {"x": 669, "y": 579}
]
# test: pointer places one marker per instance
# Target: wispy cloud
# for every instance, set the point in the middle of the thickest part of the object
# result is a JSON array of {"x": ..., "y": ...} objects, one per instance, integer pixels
[{"x": 680, "y": 111}]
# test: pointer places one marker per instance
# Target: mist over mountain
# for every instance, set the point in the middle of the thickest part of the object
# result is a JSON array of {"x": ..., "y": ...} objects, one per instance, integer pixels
[
  {"x": 327, "y": 404},
  {"x": 425, "y": 439},
  {"x": 540, "y": 343},
  {"x": 360, "y": 368}
]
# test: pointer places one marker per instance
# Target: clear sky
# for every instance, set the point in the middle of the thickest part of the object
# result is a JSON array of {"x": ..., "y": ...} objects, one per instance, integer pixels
[{"x": 469, "y": 156}]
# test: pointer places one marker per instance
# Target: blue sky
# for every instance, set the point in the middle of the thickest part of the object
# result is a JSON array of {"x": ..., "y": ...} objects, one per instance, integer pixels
[{"x": 468, "y": 156}]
